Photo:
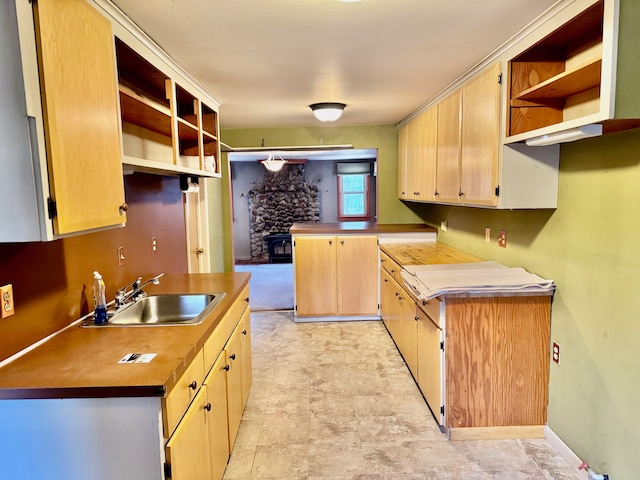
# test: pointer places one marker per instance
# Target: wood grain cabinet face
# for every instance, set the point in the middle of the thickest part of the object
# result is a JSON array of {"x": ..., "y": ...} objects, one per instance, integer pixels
[
  {"x": 420, "y": 172},
  {"x": 449, "y": 137},
  {"x": 480, "y": 152},
  {"x": 188, "y": 449},
  {"x": 429, "y": 361},
  {"x": 80, "y": 108},
  {"x": 336, "y": 275},
  {"x": 216, "y": 418}
]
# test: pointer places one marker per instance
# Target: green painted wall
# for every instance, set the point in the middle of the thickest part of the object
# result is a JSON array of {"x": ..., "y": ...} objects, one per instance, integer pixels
[
  {"x": 382, "y": 137},
  {"x": 590, "y": 246}
]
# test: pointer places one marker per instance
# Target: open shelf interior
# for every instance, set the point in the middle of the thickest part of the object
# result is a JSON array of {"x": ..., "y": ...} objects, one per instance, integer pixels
[{"x": 559, "y": 75}]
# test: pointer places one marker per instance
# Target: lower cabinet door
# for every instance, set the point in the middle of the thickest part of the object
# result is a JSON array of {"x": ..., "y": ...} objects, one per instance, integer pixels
[
  {"x": 187, "y": 450},
  {"x": 429, "y": 363},
  {"x": 247, "y": 364},
  {"x": 217, "y": 422},
  {"x": 234, "y": 383}
]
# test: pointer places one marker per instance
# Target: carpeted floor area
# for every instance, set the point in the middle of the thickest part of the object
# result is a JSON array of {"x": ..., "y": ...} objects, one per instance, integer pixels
[{"x": 271, "y": 286}]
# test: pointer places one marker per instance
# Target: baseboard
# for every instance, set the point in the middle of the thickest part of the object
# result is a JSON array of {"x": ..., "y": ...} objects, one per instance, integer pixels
[
  {"x": 564, "y": 450},
  {"x": 354, "y": 318},
  {"x": 495, "y": 433}
]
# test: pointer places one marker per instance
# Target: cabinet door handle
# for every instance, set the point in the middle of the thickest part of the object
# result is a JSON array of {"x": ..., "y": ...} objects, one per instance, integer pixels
[
  {"x": 123, "y": 208},
  {"x": 341, "y": 242},
  {"x": 207, "y": 407},
  {"x": 232, "y": 356},
  {"x": 385, "y": 280},
  {"x": 330, "y": 242},
  {"x": 246, "y": 299},
  {"x": 193, "y": 385},
  {"x": 244, "y": 332},
  {"x": 226, "y": 368},
  {"x": 417, "y": 318},
  {"x": 460, "y": 194},
  {"x": 397, "y": 294}
]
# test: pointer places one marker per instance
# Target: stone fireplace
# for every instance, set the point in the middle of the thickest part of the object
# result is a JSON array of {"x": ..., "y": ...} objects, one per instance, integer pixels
[{"x": 280, "y": 200}]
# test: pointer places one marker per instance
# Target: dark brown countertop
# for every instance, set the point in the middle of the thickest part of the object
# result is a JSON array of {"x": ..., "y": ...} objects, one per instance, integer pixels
[
  {"x": 360, "y": 227},
  {"x": 83, "y": 362}
]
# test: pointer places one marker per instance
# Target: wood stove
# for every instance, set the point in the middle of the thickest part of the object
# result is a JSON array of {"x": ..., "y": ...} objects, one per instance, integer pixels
[{"x": 279, "y": 247}]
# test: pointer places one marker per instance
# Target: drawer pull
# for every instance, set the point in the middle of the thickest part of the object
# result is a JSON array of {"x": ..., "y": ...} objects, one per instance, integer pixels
[
  {"x": 207, "y": 407},
  {"x": 246, "y": 299},
  {"x": 424, "y": 302},
  {"x": 417, "y": 318},
  {"x": 244, "y": 332},
  {"x": 226, "y": 368},
  {"x": 193, "y": 385},
  {"x": 330, "y": 242},
  {"x": 341, "y": 242},
  {"x": 232, "y": 356}
]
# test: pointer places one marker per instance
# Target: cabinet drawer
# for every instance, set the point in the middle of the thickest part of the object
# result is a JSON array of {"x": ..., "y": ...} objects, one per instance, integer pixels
[
  {"x": 432, "y": 309},
  {"x": 392, "y": 267},
  {"x": 214, "y": 344},
  {"x": 176, "y": 402}
]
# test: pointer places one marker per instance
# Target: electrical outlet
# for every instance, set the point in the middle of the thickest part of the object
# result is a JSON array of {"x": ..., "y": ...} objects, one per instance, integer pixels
[
  {"x": 555, "y": 353},
  {"x": 6, "y": 297},
  {"x": 444, "y": 225},
  {"x": 121, "y": 256},
  {"x": 154, "y": 244},
  {"x": 502, "y": 239},
  {"x": 487, "y": 234}
]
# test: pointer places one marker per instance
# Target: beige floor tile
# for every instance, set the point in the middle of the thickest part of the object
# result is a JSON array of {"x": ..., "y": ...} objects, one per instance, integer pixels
[
  {"x": 241, "y": 462},
  {"x": 335, "y": 401},
  {"x": 335, "y": 459},
  {"x": 391, "y": 458},
  {"x": 276, "y": 461},
  {"x": 339, "y": 404},
  {"x": 284, "y": 430},
  {"x": 249, "y": 431},
  {"x": 500, "y": 455},
  {"x": 333, "y": 429}
]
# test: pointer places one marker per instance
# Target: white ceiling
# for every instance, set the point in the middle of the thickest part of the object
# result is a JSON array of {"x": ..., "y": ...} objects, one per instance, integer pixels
[{"x": 267, "y": 60}]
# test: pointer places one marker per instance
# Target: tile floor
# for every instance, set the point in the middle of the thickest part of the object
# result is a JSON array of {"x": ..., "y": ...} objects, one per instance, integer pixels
[{"x": 335, "y": 401}]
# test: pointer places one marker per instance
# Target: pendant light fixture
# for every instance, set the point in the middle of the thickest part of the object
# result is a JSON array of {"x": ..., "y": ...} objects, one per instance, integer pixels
[
  {"x": 327, "y": 111},
  {"x": 272, "y": 163}
]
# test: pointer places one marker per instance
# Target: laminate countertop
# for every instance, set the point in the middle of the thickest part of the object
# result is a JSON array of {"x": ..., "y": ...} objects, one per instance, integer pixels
[
  {"x": 83, "y": 362},
  {"x": 426, "y": 253},
  {"x": 360, "y": 227}
]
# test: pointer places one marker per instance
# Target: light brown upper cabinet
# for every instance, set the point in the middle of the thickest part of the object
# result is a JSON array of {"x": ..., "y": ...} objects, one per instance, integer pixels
[
  {"x": 448, "y": 148},
  {"x": 68, "y": 113},
  {"x": 480, "y": 151},
  {"x": 473, "y": 167},
  {"x": 422, "y": 143},
  {"x": 574, "y": 70}
]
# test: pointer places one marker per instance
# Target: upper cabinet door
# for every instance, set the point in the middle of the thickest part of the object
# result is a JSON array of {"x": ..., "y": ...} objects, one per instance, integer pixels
[
  {"x": 480, "y": 154},
  {"x": 81, "y": 116},
  {"x": 448, "y": 166}
]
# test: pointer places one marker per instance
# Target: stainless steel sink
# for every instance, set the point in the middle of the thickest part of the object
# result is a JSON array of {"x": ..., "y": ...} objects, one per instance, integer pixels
[{"x": 164, "y": 310}]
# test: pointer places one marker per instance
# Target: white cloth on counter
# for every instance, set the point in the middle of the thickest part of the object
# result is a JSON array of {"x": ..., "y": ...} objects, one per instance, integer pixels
[{"x": 429, "y": 281}]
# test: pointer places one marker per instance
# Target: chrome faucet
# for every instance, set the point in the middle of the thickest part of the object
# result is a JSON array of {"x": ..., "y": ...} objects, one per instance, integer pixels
[{"x": 124, "y": 294}]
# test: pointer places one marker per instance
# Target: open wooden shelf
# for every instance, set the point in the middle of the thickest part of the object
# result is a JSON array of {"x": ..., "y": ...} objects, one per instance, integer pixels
[
  {"x": 144, "y": 112},
  {"x": 570, "y": 82},
  {"x": 150, "y": 166}
]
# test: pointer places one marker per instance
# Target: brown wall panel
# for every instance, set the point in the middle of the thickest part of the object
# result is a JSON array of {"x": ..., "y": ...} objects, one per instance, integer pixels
[{"x": 52, "y": 281}]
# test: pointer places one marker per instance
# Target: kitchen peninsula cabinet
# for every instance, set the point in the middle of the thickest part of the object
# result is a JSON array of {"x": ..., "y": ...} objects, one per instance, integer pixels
[
  {"x": 480, "y": 360},
  {"x": 336, "y": 275},
  {"x": 167, "y": 418},
  {"x": 335, "y": 267},
  {"x": 67, "y": 110}
]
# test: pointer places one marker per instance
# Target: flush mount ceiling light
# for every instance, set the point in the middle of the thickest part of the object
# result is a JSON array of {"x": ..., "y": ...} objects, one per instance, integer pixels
[
  {"x": 327, "y": 111},
  {"x": 272, "y": 163},
  {"x": 571, "y": 135}
]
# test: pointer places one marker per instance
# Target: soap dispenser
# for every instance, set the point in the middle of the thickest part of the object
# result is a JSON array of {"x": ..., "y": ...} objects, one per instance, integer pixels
[{"x": 100, "y": 299}]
